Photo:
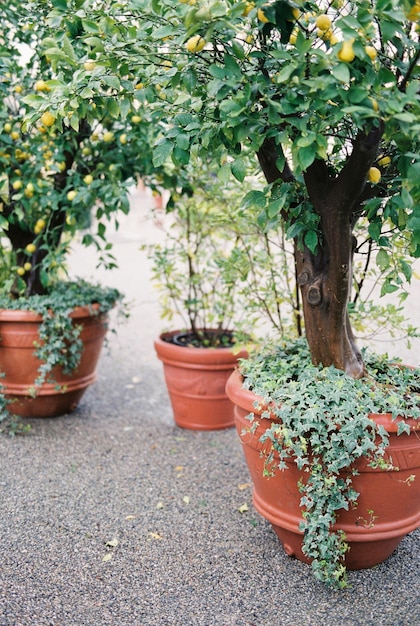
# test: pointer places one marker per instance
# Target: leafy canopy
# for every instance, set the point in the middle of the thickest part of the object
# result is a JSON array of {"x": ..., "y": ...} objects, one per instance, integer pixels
[{"x": 261, "y": 71}]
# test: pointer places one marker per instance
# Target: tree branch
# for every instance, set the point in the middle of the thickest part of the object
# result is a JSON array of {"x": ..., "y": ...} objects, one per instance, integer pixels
[
  {"x": 350, "y": 183},
  {"x": 267, "y": 156}
]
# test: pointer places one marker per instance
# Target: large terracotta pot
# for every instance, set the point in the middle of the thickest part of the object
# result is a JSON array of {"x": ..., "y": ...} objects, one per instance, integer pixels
[
  {"x": 389, "y": 502},
  {"x": 18, "y": 335},
  {"x": 196, "y": 380}
]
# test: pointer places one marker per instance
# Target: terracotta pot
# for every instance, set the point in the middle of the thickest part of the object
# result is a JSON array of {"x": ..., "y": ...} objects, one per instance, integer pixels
[
  {"x": 18, "y": 334},
  {"x": 196, "y": 380},
  {"x": 389, "y": 502}
]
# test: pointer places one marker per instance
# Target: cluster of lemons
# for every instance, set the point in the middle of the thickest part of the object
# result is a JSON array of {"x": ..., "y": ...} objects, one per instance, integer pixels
[{"x": 323, "y": 23}]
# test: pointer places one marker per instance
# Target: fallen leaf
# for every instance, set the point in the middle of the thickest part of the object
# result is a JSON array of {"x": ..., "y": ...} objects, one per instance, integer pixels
[
  {"x": 130, "y": 517},
  {"x": 159, "y": 505},
  {"x": 155, "y": 536},
  {"x": 243, "y": 486},
  {"x": 112, "y": 544},
  {"x": 186, "y": 499},
  {"x": 179, "y": 468},
  {"x": 107, "y": 557},
  {"x": 136, "y": 379},
  {"x": 243, "y": 508}
]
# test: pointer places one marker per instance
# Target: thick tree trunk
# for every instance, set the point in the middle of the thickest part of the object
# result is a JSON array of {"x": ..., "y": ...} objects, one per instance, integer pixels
[{"x": 325, "y": 281}]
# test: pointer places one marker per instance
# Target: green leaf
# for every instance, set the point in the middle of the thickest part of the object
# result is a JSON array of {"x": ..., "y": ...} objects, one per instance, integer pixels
[
  {"x": 285, "y": 73},
  {"x": 311, "y": 240},
  {"x": 382, "y": 259},
  {"x": 341, "y": 73},
  {"x": 254, "y": 198},
  {"x": 306, "y": 156},
  {"x": 238, "y": 168},
  {"x": 162, "y": 151}
]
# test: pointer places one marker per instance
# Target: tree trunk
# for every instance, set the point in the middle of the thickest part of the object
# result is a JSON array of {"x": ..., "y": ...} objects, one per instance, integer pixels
[{"x": 325, "y": 282}]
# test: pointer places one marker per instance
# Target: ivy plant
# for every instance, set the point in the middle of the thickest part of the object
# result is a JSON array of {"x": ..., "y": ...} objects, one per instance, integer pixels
[
  {"x": 59, "y": 337},
  {"x": 325, "y": 428}
]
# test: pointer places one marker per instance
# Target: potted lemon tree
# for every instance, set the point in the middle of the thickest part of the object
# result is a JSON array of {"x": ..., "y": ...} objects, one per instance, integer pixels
[
  {"x": 54, "y": 185},
  {"x": 325, "y": 96}
]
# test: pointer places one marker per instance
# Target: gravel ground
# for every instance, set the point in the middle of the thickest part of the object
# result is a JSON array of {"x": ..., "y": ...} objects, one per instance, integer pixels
[{"x": 113, "y": 516}]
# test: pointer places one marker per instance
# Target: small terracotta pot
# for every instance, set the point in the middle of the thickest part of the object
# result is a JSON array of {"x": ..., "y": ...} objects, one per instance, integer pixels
[
  {"x": 18, "y": 335},
  {"x": 388, "y": 506},
  {"x": 196, "y": 380}
]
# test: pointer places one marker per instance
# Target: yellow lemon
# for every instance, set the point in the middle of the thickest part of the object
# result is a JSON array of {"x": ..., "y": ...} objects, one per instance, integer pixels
[
  {"x": 136, "y": 119},
  {"x": 89, "y": 65},
  {"x": 248, "y": 8},
  {"x": 39, "y": 226},
  {"x": 262, "y": 16},
  {"x": 195, "y": 43},
  {"x": 371, "y": 52},
  {"x": 384, "y": 161},
  {"x": 323, "y": 22},
  {"x": 27, "y": 267},
  {"x": 414, "y": 13},
  {"x": 346, "y": 52},
  {"x": 20, "y": 271},
  {"x": 123, "y": 139},
  {"x": 71, "y": 195},
  {"x": 41, "y": 85},
  {"x": 108, "y": 136},
  {"x": 17, "y": 184},
  {"x": 88, "y": 179},
  {"x": 374, "y": 175},
  {"x": 30, "y": 248},
  {"x": 47, "y": 119}
]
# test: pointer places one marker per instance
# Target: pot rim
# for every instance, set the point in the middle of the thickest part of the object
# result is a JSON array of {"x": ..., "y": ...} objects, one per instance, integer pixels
[
  {"x": 246, "y": 399},
  {"x": 23, "y": 315}
]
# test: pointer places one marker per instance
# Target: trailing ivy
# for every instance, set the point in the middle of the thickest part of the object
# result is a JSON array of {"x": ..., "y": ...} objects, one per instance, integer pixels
[
  {"x": 60, "y": 343},
  {"x": 324, "y": 428}
]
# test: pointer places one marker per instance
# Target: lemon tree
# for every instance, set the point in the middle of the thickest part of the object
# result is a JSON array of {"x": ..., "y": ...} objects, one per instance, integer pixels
[
  {"x": 318, "y": 93},
  {"x": 55, "y": 178}
]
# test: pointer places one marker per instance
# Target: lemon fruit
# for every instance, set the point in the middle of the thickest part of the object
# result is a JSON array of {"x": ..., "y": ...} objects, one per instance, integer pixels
[
  {"x": 89, "y": 65},
  {"x": 384, "y": 161},
  {"x": 195, "y": 43},
  {"x": 47, "y": 119},
  {"x": 39, "y": 226},
  {"x": 262, "y": 16},
  {"x": 323, "y": 22},
  {"x": 371, "y": 52},
  {"x": 346, "y": 52},
  {"x": 374, "y": 175},
  {"x": 71, "y": 195}
]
